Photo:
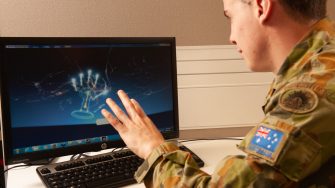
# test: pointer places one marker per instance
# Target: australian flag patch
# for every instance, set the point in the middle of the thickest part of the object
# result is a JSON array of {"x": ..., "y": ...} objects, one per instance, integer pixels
[{"x": 267, "y": 142}]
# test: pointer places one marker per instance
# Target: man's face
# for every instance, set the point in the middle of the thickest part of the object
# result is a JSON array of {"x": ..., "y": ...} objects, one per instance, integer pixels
[{"x": 247, "y": 33}]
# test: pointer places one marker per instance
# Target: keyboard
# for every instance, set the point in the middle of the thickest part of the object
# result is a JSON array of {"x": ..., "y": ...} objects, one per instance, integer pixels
[{"x": 112, "y": 169}]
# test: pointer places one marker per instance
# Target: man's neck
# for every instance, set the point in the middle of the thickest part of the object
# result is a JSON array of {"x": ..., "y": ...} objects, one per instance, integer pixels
[{"x": 284, "y": 38}]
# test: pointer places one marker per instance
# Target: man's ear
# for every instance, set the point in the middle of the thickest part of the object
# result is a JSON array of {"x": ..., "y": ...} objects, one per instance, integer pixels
[{"x": 264, "y": 8}]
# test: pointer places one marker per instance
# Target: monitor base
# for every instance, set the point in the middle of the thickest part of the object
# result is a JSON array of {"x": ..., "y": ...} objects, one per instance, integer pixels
[{"x": 40, "y": 162}]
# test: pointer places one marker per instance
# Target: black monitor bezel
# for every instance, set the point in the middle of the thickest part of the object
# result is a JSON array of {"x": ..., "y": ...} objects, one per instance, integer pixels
[{"x": 4, "y": 96}]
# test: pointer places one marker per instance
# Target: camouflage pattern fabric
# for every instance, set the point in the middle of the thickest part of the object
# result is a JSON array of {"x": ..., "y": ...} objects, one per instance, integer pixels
[{"x": 293, "y": 146}]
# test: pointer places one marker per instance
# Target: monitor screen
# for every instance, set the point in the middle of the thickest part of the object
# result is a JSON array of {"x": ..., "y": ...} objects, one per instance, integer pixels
[{"x": 53, "y": 89}]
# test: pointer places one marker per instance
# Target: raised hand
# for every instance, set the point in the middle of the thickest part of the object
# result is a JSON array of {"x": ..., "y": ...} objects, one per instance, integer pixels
[{"x": 135, "y": 128}]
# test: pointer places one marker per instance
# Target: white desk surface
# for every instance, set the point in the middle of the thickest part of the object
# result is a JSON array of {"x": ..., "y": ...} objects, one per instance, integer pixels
[{"x": 211, "y": 152}]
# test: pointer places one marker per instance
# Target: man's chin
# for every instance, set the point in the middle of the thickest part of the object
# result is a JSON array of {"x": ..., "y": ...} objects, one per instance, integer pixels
[{"x": 254, "y": 67}]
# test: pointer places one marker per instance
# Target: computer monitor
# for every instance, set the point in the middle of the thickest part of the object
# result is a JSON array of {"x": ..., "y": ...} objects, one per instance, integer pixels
[{"x": 53, "y": 89}]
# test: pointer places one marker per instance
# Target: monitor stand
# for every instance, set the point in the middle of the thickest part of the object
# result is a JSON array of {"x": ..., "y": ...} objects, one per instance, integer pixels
[{"x": 40, "y": 162}]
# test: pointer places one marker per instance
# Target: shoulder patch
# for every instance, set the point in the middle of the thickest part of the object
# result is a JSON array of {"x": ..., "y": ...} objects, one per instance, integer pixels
[
  {"x": 298, "y": 100},
  {"x": 267, "y": 143}
]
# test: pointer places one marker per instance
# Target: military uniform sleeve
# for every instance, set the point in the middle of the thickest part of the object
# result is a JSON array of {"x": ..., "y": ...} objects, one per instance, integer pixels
[{"x": 169, "y": 167}]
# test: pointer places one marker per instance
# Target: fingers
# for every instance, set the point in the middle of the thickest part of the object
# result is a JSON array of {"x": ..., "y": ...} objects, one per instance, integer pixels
[
  {"x": 133, "y": 108},
  {"x": 118, "y": 112},
  {"x": 113, "y": 121},
  {"x": 128, "y": 105},
  {"x": 143, "y": 116},
  {"x": 138, "y": 108}
]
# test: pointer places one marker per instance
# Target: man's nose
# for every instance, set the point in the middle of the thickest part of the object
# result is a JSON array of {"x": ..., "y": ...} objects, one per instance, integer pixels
[{"x": 232, "y": 41}]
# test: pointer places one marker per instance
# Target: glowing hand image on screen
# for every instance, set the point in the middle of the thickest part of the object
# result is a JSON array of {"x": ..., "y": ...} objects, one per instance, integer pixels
[
  {"x": 135, "y": 128},
  {"x": 90, "y": 87}
]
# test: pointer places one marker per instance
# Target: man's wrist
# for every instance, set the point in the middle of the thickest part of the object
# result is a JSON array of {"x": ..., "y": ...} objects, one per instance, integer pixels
[
  {"x": 150, "y": 149},
  {"x": 158, "y": 152}
]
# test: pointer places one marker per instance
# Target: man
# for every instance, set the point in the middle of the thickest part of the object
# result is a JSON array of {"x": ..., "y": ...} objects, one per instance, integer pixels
[{"x": 294, "y": 145}]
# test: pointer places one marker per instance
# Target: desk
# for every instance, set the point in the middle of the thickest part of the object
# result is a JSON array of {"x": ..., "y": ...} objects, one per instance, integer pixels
[{"x": 211, "y": 151}]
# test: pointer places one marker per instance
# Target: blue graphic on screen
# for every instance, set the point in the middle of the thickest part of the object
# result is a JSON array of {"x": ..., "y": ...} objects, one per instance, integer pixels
[
  {"x": 58, "y": 92},
  {"x": 90, "y": 88}
]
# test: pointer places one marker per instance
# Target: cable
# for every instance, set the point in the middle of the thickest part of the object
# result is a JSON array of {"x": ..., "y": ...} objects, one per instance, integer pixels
[
  {"x": 199, "y": 139},
  {"x": 119, "y": 149},
  {"x": 15, "y": 167},
  {"x": 75, "y": 157}
]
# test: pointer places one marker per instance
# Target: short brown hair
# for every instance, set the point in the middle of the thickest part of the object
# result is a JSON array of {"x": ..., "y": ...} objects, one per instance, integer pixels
[{"x": 305, "y": 9}]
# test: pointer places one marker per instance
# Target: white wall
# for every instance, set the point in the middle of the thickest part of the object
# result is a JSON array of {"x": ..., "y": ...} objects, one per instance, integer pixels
[{"x": 217, "y": 90}]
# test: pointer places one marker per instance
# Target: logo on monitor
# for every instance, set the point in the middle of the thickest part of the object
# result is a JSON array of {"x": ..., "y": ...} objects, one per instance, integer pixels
[{"x": 103, "y": 146}]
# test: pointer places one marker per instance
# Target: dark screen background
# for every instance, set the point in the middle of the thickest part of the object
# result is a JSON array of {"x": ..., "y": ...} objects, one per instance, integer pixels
[{"x": 56, "y": 94}]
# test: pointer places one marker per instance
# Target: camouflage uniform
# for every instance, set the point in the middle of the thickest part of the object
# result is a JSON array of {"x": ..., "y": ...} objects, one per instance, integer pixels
[{"x": 293, "y": 146}]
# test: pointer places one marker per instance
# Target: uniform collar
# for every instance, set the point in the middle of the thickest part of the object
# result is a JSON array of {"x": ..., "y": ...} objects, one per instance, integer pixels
[{"x": 320, "y": 34}]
